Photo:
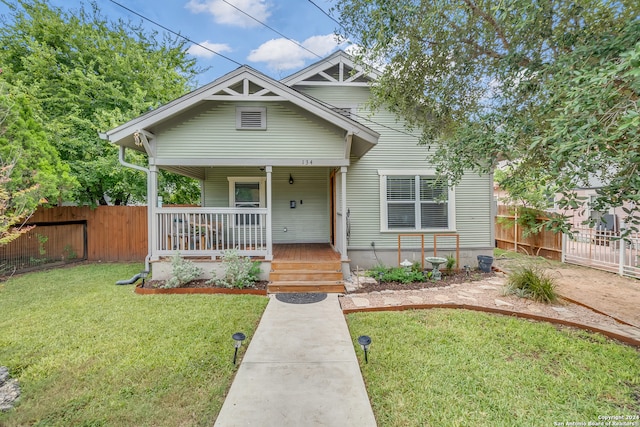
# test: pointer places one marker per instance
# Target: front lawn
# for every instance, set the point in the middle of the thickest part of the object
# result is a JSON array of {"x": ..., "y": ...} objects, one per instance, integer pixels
[
  {"x": 461, "y": 368},
  {"x": 88, "y": 352}
]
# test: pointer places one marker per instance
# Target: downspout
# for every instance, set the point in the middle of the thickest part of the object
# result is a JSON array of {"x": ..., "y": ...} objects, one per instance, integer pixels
[{"x": 123, "y": 162}]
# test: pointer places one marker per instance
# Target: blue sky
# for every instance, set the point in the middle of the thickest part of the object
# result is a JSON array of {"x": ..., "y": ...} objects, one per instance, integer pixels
[{"x": 219, "y": 26}]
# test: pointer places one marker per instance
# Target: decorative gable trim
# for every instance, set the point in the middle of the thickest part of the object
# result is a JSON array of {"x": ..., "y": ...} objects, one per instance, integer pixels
[
  {"x": 337, "y": 69},
  {"x": 244, "y": 85}
]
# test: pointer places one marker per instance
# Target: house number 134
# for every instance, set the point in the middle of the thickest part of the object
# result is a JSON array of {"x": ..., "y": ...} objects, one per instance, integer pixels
[{"x": 307, "y": 162}]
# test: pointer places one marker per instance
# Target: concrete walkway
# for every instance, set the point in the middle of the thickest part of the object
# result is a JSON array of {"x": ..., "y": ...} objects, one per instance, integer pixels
[{"x": 300, "y": 370}]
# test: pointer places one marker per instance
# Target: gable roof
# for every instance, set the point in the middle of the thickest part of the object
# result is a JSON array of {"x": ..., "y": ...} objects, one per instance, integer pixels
[
  {"x": 242, "y": 84},
  {"x": 336, "y": 69}
]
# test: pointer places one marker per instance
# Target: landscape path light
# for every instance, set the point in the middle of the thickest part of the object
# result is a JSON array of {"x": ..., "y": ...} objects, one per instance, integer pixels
[
  {"x": 365, "y": 342},
  {"x": 238, "y": 337}
]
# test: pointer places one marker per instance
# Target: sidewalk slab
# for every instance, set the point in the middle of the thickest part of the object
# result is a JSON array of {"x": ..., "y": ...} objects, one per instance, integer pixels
[{"x": 300, "y": 369}]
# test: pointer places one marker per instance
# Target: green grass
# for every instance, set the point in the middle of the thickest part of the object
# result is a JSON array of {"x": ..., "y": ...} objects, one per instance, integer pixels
[
  {"x": 460, "y": 368},
  {"x": 89, "y": 353}
]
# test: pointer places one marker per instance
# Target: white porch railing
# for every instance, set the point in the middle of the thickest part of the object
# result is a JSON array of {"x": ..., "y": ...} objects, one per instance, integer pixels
[
  {"x": 604, "y": 250},
  {"x": 210, "y": 231}
]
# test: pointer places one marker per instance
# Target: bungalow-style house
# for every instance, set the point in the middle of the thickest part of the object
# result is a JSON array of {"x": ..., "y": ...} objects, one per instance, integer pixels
[{"x": 301, "y": 175}]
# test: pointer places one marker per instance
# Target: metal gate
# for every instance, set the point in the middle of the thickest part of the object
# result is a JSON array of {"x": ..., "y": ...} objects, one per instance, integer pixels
[{"x": 603, "y": 249}]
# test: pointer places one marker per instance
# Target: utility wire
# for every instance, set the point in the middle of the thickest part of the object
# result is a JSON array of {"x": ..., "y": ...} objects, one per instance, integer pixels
[
  {"x": 240, "y": 64},
  {"x": 176, "y": 33},
  {"x": 326, "y": 13},
  {"x": 351, "y": 114},
  {"x": 271, "y": 28}
]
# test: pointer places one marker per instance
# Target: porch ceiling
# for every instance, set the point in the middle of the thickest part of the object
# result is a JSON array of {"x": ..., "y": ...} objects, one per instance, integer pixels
[{"x": 194, "y": 172}]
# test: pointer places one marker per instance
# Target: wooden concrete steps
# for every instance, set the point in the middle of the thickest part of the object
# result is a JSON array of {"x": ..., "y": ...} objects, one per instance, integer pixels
[{"x": 306, "y": 276}]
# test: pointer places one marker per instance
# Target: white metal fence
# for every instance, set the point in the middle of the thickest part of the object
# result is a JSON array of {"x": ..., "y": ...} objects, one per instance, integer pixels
[{"x": 603, "y": 249}]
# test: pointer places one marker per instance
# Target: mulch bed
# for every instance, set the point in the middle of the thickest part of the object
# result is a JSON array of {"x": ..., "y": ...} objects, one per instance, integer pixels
[
  {"x": 200, "y": 284},
  {"x": 447, "y": 279}
]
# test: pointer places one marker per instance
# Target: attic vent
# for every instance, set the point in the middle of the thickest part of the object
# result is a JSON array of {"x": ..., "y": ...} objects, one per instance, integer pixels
[
  {"x": 251, "y": 118},
  {"x": 345, "y": 111}
]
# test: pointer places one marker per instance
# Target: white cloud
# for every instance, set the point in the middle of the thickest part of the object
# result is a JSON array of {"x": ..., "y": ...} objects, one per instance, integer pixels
[
  {"x": 283, "y": 54},
  {"x": 223, "y": 13},
  {"x": 377, "y": 64},
  {"x": 200, "y": 50}
]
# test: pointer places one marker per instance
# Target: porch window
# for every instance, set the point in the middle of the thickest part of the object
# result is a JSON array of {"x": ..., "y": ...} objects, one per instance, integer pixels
[
  {"x": 415, "y": 202},
  {"x": 246, "y": 192}
]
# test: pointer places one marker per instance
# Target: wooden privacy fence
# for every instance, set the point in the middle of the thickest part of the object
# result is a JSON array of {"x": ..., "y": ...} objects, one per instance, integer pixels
[
  {"x": 510, "y": 236},
  {"x": 114, "y": 233},
  {"x": 45, "y": 245}
]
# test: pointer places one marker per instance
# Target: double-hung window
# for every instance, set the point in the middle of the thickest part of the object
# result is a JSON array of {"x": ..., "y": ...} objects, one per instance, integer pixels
[{"x": 415, "y": 201}]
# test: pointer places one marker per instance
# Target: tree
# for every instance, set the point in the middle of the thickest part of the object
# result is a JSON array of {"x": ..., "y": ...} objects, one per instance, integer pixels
[
  {"x": 550, "y": 86},
  {"x": 14, "y": 212},
  {"x": 31, "y": 171},
  {"x": 86, "y": 75}
]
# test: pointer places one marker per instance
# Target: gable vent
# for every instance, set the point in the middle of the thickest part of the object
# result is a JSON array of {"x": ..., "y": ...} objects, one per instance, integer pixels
[
  {"x": 251, "y": 118},
  {"x": 345, "y": 111}
]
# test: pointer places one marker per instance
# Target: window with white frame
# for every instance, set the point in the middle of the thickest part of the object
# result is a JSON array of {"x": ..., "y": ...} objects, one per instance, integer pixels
[
  {"x": 246, "y": 192},
  {"x": 415, "y": 200}
]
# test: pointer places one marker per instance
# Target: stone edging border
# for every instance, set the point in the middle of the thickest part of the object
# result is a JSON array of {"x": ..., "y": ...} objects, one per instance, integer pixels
[
  {"x": 623, "y": 338},
  {"x": 195, "y": 291}
]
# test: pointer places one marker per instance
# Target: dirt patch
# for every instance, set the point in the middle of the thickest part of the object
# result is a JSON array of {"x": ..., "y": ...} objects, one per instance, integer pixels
[{"x": 607, "y": 292}]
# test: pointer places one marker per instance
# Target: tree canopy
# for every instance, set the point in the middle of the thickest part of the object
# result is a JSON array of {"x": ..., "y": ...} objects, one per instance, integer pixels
[
  {"x": 551, "y": 87},
  {"x": 84, "y": 74}
]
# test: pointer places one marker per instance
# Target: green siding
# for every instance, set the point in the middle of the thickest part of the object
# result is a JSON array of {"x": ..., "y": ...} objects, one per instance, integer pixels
[
  {"x": 398, "y": 150},
  {"x": 308, "y": 222},
  {"x": 211, "y": 132}
]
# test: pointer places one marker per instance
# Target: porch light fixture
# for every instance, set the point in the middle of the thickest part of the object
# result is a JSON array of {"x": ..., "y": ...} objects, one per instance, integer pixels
[
  {"x": 365, "y": 342},
  {"x": 290, "y": 179},
  {"x": 238, "y": 337}
]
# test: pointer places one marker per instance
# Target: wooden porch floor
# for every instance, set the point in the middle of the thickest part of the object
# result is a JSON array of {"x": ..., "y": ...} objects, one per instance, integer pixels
[{"x": 304, "y": 252}]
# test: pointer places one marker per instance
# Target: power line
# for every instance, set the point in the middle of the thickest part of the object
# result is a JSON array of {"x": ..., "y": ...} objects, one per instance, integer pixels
[
  {"x": 176, "y": 33},
  {"x": 351, "y": 114},
  {"x": 240, "y": 64},
  {"x": 326, "y": 13},
  {"x": 271, "y": 28}
]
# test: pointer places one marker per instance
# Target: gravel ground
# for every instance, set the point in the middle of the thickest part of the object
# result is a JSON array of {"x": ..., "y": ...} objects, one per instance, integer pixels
[{"x": 484, "y": 293}]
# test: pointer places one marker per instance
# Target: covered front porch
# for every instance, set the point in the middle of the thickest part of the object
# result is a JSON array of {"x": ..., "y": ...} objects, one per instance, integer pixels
[
  {"x": 307, "y": 211},
  {"x": 295, "y": 267}
]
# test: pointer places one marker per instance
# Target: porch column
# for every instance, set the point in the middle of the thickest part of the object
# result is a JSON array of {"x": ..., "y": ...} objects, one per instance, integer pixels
[
  {"x": 152, "y": 204},
  {"x": 269, "y": 231},
  {"x": 343, "y": 218}
]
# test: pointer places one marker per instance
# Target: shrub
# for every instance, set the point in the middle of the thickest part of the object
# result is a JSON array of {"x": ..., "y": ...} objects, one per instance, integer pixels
[
  {"x": 184, "y": 271},
  {"x": 239, "y": 271},
  {"x": 451, "y": 262},
  {"x": 532, "y": 283},
  {"x": 397, "y": 274}
]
